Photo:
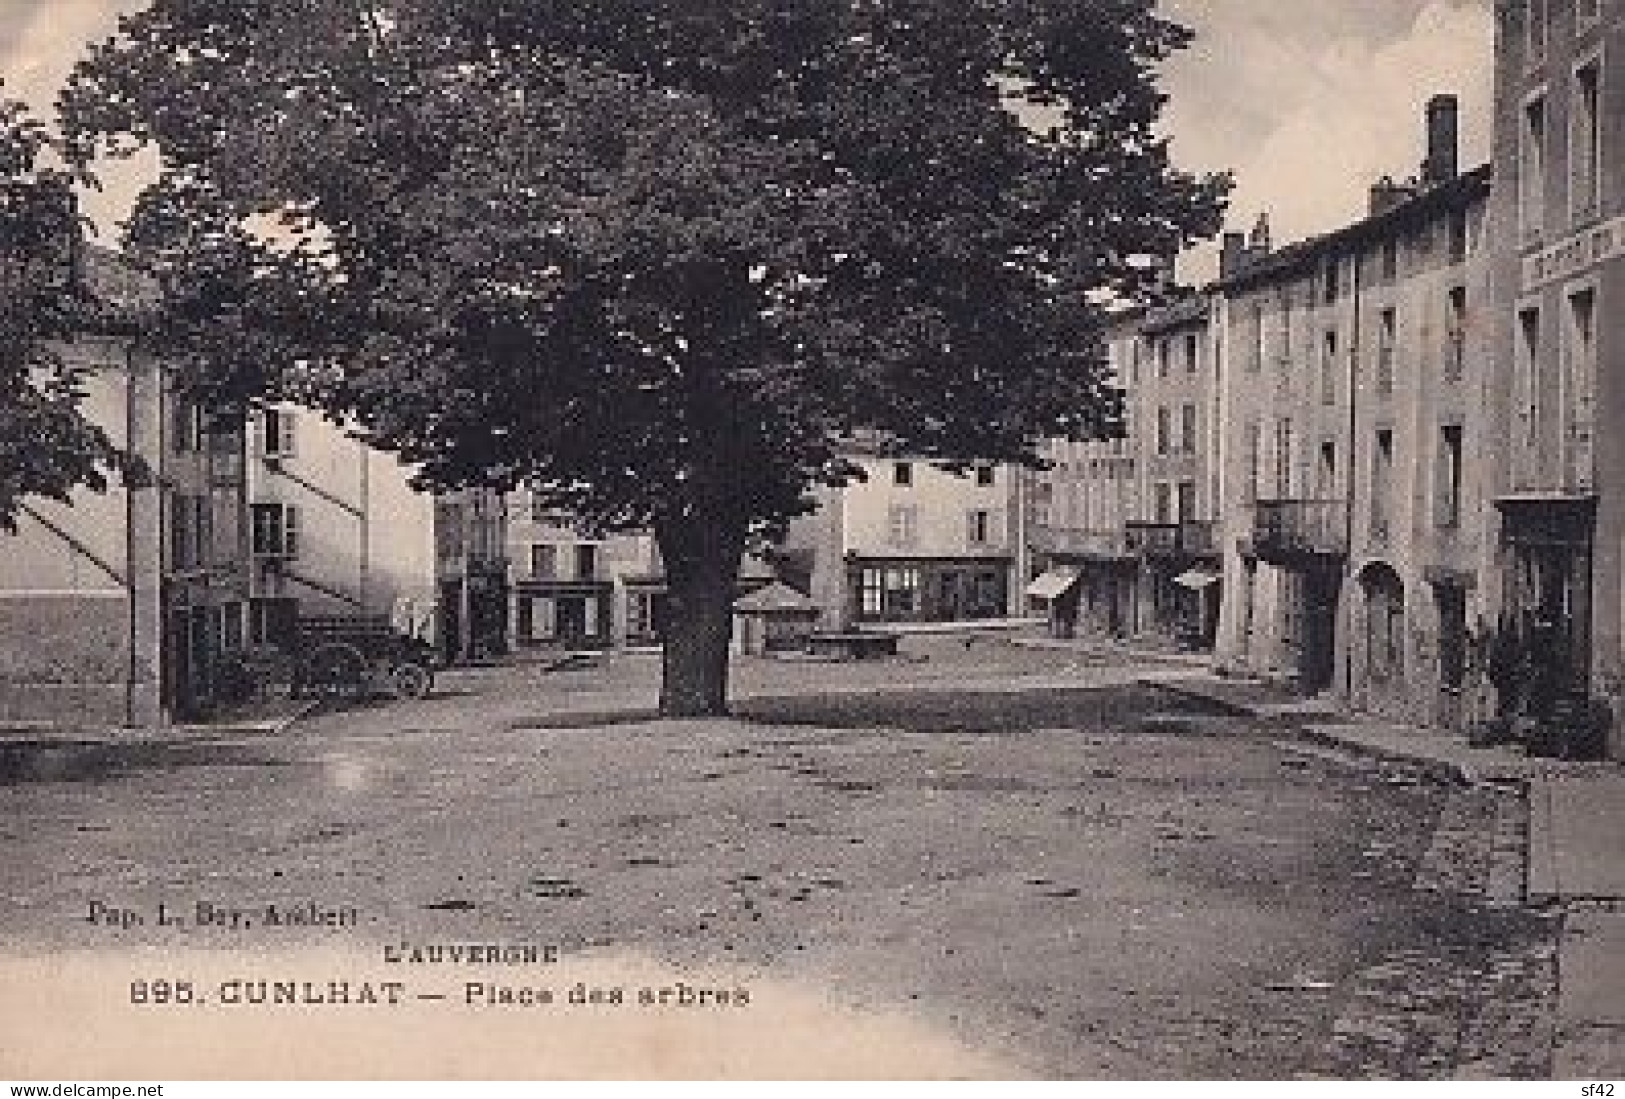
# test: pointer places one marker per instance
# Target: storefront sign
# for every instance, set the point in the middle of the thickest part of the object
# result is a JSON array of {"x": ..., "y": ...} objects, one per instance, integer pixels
[{"x": 1576, "y": 255}]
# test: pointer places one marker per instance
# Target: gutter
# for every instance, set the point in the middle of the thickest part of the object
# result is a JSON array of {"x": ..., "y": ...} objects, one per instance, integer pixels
[
  {"x": 1355, "y": 346},
  {"x": 129, "y": 541}
]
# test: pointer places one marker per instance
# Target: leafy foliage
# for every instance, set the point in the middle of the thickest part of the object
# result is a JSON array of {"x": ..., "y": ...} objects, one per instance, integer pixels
[
  {"x": 617, "y": 249},
  {"x": 48, "y": 447},
  {"x": 664, "y": 261}
]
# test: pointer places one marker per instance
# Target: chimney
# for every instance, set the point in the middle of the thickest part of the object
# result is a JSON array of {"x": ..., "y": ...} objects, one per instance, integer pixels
[
  {"x": 1386, "y": 194},
  {"x": 1231, "y": 254},
  {"x": 1443, "y": 124},
  {"x": 1260, "y": 241}
]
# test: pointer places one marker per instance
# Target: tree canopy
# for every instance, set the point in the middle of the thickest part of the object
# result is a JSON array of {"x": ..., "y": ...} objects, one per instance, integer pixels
[
  {"x": 661, "y": 260},
  {"x": 48, "y": 447}
]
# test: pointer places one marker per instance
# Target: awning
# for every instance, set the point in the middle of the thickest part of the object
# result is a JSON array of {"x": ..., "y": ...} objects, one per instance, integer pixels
[
  {"x": 1053, "y": 584},
  {"x": 1197, "y": 579}
]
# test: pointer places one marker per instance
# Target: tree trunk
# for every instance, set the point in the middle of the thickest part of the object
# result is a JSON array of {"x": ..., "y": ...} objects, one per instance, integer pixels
[{"x": 701, "y": 558}]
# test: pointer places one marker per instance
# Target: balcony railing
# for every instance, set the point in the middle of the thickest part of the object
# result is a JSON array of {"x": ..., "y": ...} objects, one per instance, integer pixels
[
  {"x": 1079, "y": 542},
  {"x": 1153, "y": 539},
  {"x": 1189, "y": 538},
  {"x": 1284, "y": 529}
]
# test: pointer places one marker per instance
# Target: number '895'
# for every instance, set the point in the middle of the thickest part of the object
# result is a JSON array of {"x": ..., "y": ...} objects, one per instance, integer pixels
[{"x": 161, "y": 992}]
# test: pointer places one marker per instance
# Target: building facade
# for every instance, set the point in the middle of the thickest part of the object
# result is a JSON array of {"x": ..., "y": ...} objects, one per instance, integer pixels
[
  {"x": 913, "y": 542},
  {"x": 115, "y": 607},
  {"x": 1353, "y": 371},
  {"x": 1558, "y": 223},
  {"x": 471, "y": 574},
  {"x": 1124, "y": 529},
  {"x": 334, "y": 529}
]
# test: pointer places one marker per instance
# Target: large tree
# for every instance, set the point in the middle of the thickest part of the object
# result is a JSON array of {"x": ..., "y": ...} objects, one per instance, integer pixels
[
  {"x": 48, "y": 447},
  {"x": 661, "y": 260}
]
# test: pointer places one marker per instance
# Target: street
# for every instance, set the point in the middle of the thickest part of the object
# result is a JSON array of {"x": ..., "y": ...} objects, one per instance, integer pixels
[{"x": 982, "y": 860}]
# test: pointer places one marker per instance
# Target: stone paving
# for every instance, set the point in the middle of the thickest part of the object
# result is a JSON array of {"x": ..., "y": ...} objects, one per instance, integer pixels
[{"x": 1482, "y": 1005}]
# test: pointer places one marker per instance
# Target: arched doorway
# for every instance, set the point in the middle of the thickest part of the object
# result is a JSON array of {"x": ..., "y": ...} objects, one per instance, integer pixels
[{"x": 1383, "y": 595}]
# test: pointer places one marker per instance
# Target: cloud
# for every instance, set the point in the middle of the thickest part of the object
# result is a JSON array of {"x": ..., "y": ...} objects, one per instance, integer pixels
[{"x": 1309, "y": 116}]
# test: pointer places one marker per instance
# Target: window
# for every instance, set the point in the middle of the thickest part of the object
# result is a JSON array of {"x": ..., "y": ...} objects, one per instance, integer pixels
[
  {"x": 1330, "y": 284},
  {"x": 544, "y": 562},
  {"x": 1389, "y": 262},
  {"x": 902, "y": 474},
  {"x": 276, "y": 530},
  {"x": 1532, "y": 169},
  {"x": 1527, "y": 378},
  {"x": 1162, "y": 357},
  {"x": 586, "y": 562},
  {"x": 189, "y": 534},
  {"x": 185, "y": 426},
  {"x": 1326, "y": 471},
  {"x": 900, "y": 524},
  {"x": 1283, "y": 458},
  {"x": 888, "y": 593},
  {"x": 540, "y": 512},
  {"x": 1387, "y": 325},
  {"x": 985, "y": 476},
  {"x": 1328, "y": 368},
  {"x": 1255, "y": 360},
  {"x": 1191, "y": 353},
  {"x": 1534, "y": 32},
  {"x": 1286, "y": 327},
  {"x": 277, "y": 433},
  {"x": 1255, "y": 458},
  {"x": 224, "y": 548},
  {"x": 1164, "y": 431},
  {"x": 1458, "y": 236},
  {"x": 1447, "y": 498},
  {"x": 272, "y": 621},
  {"x": 1162, "y": 502},
  {"x": 1187, "y": 429},
  {"x": 1585, "y": 145},
  {"x": 979, "y": 527},
  {"x": 1455, "y": 352},
  {"x": 1185, "y": 502},
  {"x": 1579, "y": 386},
  {"x": 1382, "y": 472}
]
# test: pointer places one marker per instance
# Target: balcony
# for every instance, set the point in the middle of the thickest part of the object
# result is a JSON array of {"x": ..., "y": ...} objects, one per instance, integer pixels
[
  {"x": 1108, "y": 544},
  {"x": 1152, "y": 539},
  {"x": 1188, "y": 538},
  {"x": 1288, "y": 532}
]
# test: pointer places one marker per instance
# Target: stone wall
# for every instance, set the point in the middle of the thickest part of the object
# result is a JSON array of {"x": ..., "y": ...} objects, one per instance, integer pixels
[{"x": 65, "y": 658}]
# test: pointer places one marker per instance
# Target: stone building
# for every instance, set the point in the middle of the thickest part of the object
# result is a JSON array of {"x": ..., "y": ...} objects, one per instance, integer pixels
[
  {"x": 1558, "y": 226},
  {"x": 1123, "y": 528},
  {"x": 115, "y": 607},
  {"x": 335, "y": 529},
  {"x": 1354, "y": 366},
  {"x": 913, "y": 542}
]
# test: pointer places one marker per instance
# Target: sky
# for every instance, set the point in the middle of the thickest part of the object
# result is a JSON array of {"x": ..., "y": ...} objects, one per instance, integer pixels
[{"x": 1307, "y": 102}]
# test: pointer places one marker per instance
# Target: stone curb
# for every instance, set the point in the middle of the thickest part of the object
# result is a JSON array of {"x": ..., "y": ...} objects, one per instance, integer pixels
[
  {"x": 56, "y": 737},
  {"x": 1439, "y": 769}
]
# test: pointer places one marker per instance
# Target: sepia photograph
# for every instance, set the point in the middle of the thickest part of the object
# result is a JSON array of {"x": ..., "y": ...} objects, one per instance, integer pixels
[{"x": 805, "y": 540}]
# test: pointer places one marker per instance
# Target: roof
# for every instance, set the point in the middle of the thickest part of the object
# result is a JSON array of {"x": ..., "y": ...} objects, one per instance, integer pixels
[
  {"x": 1192, "y": 309},
  {"x": 1452, "y": 194},
  {"x": 118, "y": 291},
  {"x": 777, "y": 596}
]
